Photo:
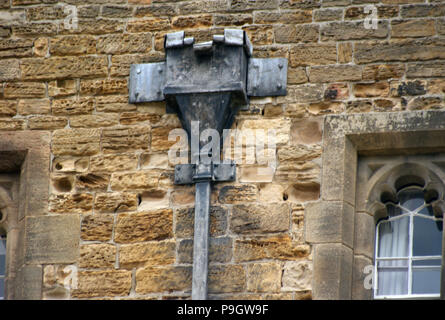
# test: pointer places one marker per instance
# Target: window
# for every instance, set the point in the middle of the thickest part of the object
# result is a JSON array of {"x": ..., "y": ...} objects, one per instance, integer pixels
[
  {"x": 2, "y": 266},
  {"x": 364, "y": 155},
  {"x": 408, "y": 247}
]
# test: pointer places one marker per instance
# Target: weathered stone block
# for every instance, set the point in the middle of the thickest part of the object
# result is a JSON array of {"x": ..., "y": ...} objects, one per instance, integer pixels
[
  {"x": 264, "y": 277},
  {"x": 237, "y": 194},
  {"x": 115, "y": 202},
  {"x": 425, "y": 70},
  {"x": 144, "y": 226},
  {"x": 72, "y": 45},
  {"x": 73, "y": 106},
  {"x": 105, "y": 283},
  {"x": 125, "y": 139},
  {"x": 24, "y": 90},
  {"x": 154, "y": 253},
  {"x": 383, "y": 71},
  {"x": 97, "y": 227},
  {"x": 273, "y": 247},
  {"x": 251, "y": 219},
  {"x": 313, "y": 54},
  {"x": 8, "y": 108},
  {"x": 220, "y": 250},
  {"x": 366, "y": 90},
  {"x": 63, "y": 67},
  {"x": 94, "y": 120},
  {"x": 335, "y": 31},
  {"x": 97, "y": 256},
  {"x": 296, "y": 33},
  {"x": 335, "y": 73},
  {"x": 124, "y": 43},
  {"x": 297, "y": 276},
  {"x": 106, "y": 86},
  {"x": 76, "y": 142},
  {"x": 412, "y": 28},
  {"x": 137, "y": 180},
  {"x": 226, "y": 279},
  {"x": 160, "y": 279},
  {"x": 46, "y": 122},
  {"x": 71, "y": 203},
  {"x": 399, "y": 50},
  {"x": 52, "y": 239},
  {"x": 185, "y": 221},
  {"x": 114, "y": 103},
  {"x": 114, "y": 162},
  {"x": 30, "y": 106}
]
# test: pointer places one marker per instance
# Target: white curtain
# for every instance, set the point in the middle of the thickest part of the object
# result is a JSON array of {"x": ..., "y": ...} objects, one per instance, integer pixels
[{"x": 393, "y": 242}]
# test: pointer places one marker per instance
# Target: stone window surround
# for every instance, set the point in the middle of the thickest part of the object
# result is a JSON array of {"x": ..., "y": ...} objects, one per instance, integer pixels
[
  {"x": 332, "y": 222},
  {"x": 24, "y": 163}
]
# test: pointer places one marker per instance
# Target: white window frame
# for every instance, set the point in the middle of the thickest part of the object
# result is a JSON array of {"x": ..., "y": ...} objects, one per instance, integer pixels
[{"x": 411, "y": 214}]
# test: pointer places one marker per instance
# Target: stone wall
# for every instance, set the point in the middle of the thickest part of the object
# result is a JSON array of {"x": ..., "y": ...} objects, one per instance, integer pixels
[{"x": 110, "y": 169}]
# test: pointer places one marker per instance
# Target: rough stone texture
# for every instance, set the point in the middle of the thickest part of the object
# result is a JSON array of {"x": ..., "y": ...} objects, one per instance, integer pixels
[
  {"x": 264, "y": 277},
  {"x": 185, "y": 220},
  {"x": 106, "y": 283},
  {"x": 228, "y": 278},
  {"x": 259, "y": 219},
  {"x": 115, "y": 202},
  {"x": 297, "y": 276},
  {"x": 97, "y": 256},
  {"x": 144, "y": 226},
  {"x": 160, "y": 279},
  {"x": 147, "y": 254},
  {"x": 97, "y": 227}
]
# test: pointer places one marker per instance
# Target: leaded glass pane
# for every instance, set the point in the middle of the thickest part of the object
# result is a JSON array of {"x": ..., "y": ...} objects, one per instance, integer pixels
[
  {"x": 394, "y": 238},
  {"x": 411, "y": 199}
]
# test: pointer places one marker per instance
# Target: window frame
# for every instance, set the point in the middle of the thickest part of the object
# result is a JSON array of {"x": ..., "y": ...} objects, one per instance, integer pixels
[
  {"x": 333, "y": 222},
  {"x": 3, "y": 276},
  {"x": 410, "y": 258}
]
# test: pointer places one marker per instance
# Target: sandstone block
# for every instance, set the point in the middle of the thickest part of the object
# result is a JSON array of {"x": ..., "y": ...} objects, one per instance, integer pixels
[
  {"x": 251, "y": 219},
  {"x": 35, "y": 29},
  {"x": 335, "y": 73},
  {"x": 113, "y": 162},
  {"x": 144, "y": 226},
  {"x": 73, "y": 106},
  {"x": 24, "y": 90},
  {"x": 92, "y": 181},
  {"x": 72, "y": 45},
  {"x": 125, "y": 139},
  {"x": 136, "y": 180},
  {"x": 220, "y": 250},
  {"x": 383, "y": 71},
  {"x": 335, "y": 31},
  {"x": 232, "y": 19},
  {"x": 94, "y": 120},
  {"x": 154, "y": 253},
  {"x": 226, "y": 279},
  {"x": 313, "y": 54},
  {"x": 412, "y": 28},
  {"x": 114, "y": 103},
  {"x": 425, "y": 70},
  {"x": 46, "y": 122},
  {"x": 76, "y": 142},
  {"x": 31, "y": 106},
  {"x": 264, "y": 277},
  {"x": 399, "y": 50},
  {"x": 296, "y": 33},
  {"x": 283, "y": 17},
  {"x": 105, "y": 283},
  {"x": 274, "y": 247},
  {"x": 185, "y": 221},
  {"x": 124, "y": 43},
  {"x": 97, "y": 227},
  {"x": 8, "y": 108},
  {"x": 116, "y": 11},
  {"x": 344, "y": 52},
  {"x": 107, "y": 86},
  {"x": 115, "y": 202},
  {"x": 52, "y": 239},
  {"x": 148, "y": 25},
  {"x": 297, "y": 276},
  {"x": 366, "y": 90},
  {"x": 237, "y": 194},
  {"x": 71, "y": 203},
  {"x": 97, "y": 256},
  {"x": 63, "y": 67},
  {"x": 161, "y": 279}
]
